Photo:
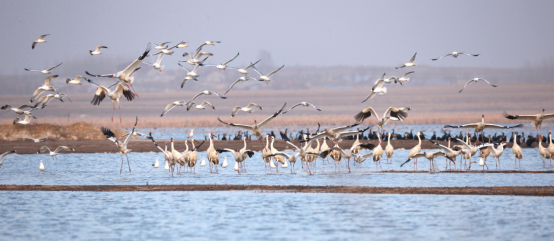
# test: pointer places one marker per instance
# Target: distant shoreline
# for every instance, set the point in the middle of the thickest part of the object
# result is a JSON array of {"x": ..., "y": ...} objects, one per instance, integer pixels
[{"x": 508, "y": 190}]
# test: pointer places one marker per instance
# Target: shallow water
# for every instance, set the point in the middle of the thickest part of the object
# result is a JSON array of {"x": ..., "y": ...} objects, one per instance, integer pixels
[
  {"x": 271, "y": 216},
  {"x": 103, "y": 169}
]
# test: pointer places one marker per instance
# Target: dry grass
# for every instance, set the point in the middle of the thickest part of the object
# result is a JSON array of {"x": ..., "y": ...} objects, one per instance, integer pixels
[
  {"x": 430, "y": 105},
  {"x": 77, "y": 132}
]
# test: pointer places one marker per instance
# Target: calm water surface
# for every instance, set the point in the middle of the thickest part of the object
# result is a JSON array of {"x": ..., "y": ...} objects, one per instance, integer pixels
[{"x": 270, "y": 216}]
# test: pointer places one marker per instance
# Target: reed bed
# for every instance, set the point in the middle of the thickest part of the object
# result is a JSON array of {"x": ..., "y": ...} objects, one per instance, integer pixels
[{"x": 430, "y": 105}]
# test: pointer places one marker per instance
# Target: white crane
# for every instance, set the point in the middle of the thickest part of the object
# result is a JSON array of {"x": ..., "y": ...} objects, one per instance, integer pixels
[
  {"x": 480, "y": 126},
  {"x": 336, "y": 133},
  {"x": 125, "y": 75},
  {"x": 122, "y": 146},
  {"x": 256, "y": 127},
  {"x": 47, "y": 71},
  {"x": 238, "y": 156},
  {"x": 102, "y": 92},
  {"x": 537, "y": 119},
  {"x": 430, "y": 156},
  {"x": 395, "y": 114}
]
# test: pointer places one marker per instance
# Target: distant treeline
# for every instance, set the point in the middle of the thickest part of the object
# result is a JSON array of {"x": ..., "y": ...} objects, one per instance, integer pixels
[{"x": 291, "y": 77}]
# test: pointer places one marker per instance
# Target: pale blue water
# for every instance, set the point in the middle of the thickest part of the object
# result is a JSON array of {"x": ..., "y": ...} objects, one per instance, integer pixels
[
  {"x": 103, "y": 169},
  {"x": 271, "y": 216}
]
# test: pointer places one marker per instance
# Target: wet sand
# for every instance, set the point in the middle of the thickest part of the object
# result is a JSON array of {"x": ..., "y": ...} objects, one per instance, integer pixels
[
  {"x": 514, "y": 190},
  {"x": 102, "y": 146}
]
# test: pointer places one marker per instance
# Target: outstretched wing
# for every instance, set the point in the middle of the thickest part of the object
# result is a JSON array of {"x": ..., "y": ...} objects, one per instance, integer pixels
[
  {"x": 272, "y": 117},
  {"x": 487, "y": 82},
  {"x": 5, "y": 154},
  {"x": 54, "y": 66},
  {"x": 62, "y": 148},
  {"x": 132, "y": 131},
  {"x": 441, "y": 57},
  {"x": 413, "y": 58},
  {"x": 237, "y": 125},
  {"x": 496, "y": 126},
  {"x": 294, "y": 106},
  {"x": 465, "y": 85},
  {"x": 105, "y": 75},
  {"x": 252, "y": 64},
  {"x": 365, "y": 113},
  {"x": 274, "y": 72},
  {"x": 254, "y": 105},
  {"x": 231, "y": 59},
  {"x": 168, "y": 108},
  {"x": 519, "y": 117},
  {"x": 128, "y": 70},
  {"x": 397, "y": 113},
  {"x": 235, "y": 83},
  {"x": 220, "y": 96},
  {"x": 109, "y": 134}
]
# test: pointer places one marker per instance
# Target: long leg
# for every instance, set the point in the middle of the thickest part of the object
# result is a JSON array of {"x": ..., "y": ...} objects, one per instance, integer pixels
[
  {"x": 128, "y": 162},
  {"x": 134, "y": 90},
  {"x": 119, "y": 107},
  {"x": 121, "y": 168},
  {"x": 114, "y": 105}
]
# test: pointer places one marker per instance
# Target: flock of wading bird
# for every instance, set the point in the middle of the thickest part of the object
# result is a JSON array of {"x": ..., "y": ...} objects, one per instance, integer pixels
[{"x": 307, "y": 153}]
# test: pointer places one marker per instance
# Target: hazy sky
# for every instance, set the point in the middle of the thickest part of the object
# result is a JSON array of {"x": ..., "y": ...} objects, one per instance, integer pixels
[{"x": 384, "y": 33}]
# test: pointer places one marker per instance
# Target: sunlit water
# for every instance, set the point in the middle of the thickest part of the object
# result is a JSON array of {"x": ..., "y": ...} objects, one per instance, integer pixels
[{"x": 271, "y": 216}]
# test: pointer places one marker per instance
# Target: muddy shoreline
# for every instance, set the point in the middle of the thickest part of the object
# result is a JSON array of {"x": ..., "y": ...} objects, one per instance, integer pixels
[
  {"x": 512, "y": 190},
  {"x": 106, "y": 146}
]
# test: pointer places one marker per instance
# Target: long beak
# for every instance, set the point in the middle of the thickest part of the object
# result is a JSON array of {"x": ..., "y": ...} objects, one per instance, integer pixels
[{"x": 68, "y": 99}]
